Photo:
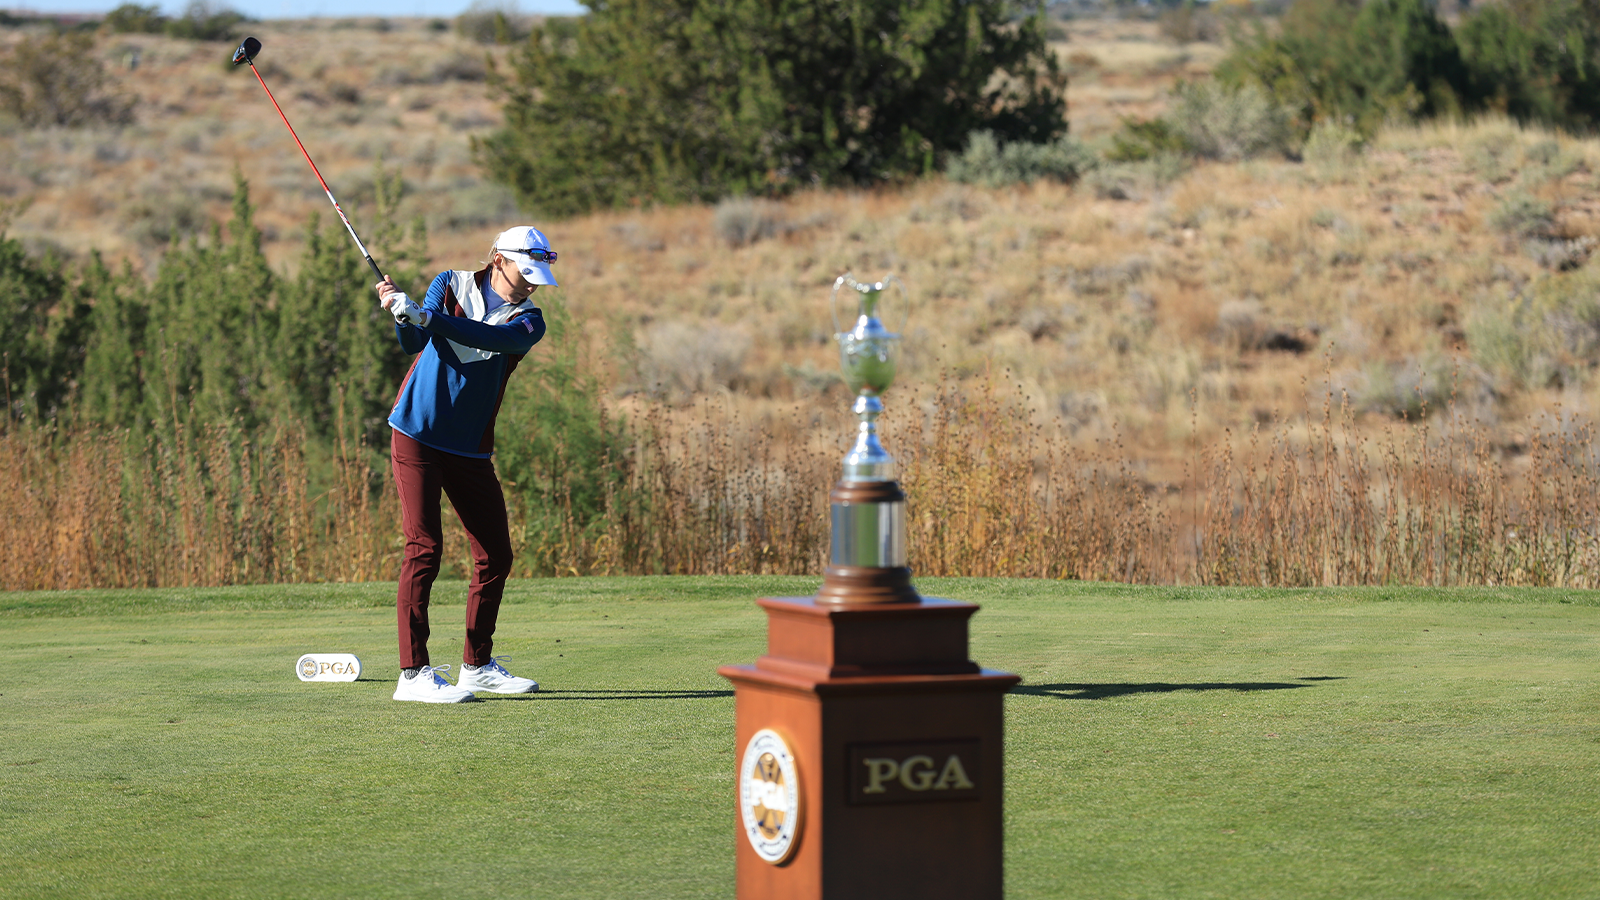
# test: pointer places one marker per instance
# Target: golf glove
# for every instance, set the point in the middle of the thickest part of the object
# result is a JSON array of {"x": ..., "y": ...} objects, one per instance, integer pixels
[{"x": 406, "y": 312}]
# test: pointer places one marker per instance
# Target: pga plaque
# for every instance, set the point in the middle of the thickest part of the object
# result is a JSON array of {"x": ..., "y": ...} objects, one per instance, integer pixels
[
  {"x": 328, "y": 667},
  {"x": 872, "y": 745}
]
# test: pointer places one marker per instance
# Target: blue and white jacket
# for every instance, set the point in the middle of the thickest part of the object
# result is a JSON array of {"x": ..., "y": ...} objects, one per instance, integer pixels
[{"x": 452, "y": 394}]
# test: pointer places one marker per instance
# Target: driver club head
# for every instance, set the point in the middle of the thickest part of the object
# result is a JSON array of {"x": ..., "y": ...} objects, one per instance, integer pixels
[{"x": 247, "y": 51}]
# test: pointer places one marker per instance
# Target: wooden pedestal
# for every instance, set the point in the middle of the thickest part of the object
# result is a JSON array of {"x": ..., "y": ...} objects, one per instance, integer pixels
[{"x": 897, "y": 742}]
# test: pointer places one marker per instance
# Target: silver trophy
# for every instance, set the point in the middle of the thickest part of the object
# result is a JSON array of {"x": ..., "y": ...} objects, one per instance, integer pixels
[{"x": 868, "y": 509}]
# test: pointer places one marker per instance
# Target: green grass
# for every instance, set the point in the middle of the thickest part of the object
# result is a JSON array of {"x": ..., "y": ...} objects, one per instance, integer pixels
[{"x": 1167, "y": 742}]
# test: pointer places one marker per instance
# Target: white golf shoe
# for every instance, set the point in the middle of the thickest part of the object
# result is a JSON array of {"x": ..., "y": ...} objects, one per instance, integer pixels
[
  {"x": 493, "y": 678},
  {"x": 429, "y": 686}
]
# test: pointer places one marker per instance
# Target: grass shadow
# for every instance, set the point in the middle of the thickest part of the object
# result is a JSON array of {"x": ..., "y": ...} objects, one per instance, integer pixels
[
  {"x": 605, "y": 694},
  {"x": 1103, "y": 691}
]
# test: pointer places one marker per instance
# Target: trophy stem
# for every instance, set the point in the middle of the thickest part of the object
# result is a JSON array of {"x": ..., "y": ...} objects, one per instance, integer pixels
[{"x": 867, "y": 460}]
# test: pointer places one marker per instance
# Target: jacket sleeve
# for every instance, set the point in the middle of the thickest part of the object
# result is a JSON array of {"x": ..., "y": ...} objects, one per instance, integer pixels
[
  {"x": 413, "y": 339},
  {"x": 516, "y": 336}
]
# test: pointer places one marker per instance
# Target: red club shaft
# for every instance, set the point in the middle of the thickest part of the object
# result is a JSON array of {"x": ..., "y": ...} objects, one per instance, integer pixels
[{"x": 320, "y": 180}]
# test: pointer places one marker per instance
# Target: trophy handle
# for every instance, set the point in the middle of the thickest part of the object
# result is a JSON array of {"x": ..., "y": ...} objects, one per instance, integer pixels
[
  {"x": 891, "y": 279},
  {"x": 833, "y": 301}
]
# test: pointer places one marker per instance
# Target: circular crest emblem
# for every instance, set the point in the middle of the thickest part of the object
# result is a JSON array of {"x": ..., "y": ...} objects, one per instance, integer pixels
[
  {"x": 769, "y": 796},
  {"x": 307, "y": 667}
]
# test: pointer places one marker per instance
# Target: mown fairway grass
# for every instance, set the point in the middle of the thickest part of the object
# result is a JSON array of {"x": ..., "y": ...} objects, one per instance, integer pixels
[{"x": 1167, "y": 742}]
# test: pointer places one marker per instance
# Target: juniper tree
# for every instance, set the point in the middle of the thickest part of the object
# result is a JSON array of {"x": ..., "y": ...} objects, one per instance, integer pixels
[
  {"x": 211, "y": 322},
  {"x": 1538, "y": 60},
  {"x": 1363, "y": 63},
  {"x": 111, "y": 388},
  {"x": 645, "y": 100},
  {"x": 30, "y": 289}
]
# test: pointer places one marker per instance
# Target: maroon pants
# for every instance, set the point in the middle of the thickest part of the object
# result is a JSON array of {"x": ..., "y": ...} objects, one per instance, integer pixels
[{"x": 420, "y": 474}]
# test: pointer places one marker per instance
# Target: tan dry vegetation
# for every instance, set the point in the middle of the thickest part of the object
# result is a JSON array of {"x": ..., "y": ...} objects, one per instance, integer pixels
[
  {"x": 1125, "y": 69},
  {"x": 1217, "y": 379}
]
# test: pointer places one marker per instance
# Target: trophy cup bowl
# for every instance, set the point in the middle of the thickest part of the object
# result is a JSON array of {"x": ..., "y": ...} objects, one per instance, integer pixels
[{"x": 867, "y": 354}]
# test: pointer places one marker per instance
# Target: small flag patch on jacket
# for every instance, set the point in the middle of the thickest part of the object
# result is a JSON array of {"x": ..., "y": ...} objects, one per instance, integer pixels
[{"x": 527, "y": 323}]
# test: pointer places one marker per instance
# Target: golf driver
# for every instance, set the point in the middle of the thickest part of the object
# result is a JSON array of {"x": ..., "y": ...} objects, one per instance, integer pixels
[{"x": 247, "y": 54}]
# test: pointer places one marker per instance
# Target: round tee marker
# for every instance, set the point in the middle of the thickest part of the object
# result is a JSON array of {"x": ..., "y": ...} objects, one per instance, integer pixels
[{"x": 328, "y": 667}]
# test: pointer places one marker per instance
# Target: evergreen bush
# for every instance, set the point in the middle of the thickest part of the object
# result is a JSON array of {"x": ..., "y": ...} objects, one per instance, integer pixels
[
  {"x": 203, "y": 22},
  {"x": 644, "y": 101},
  {"x": 1362, "y": 63},
  {"x": 131, "y": 18},
  {"x": 30, "y": 290},
  {"x": 1366, "y": 63},
  {"x": 1537, "y": 60}
]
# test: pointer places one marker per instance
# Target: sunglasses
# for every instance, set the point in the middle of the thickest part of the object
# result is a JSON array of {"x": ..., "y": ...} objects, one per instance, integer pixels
[{"x": 544, "y": 256}]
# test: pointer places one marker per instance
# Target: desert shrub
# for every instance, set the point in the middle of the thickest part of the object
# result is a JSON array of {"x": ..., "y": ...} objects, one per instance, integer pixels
[
  {"x": 1240, "y": 325},
  {"x": 1542, "y": 152},
  {"x": 1207, "y": 120},
  {"x": 203, "y": 22},
  {"x": 160, "y": 218},
  {"x": 1139, "y": 140},
  {"x": 492, "y": 22},
  {"x": 477, "y": 205},
  {"x": 1362, "y": 63},
  {"x": 744, "y": 220},
  {"x": 701, "y": 99},
  {"x": 1547, "y": 337},
  {"x": 1413, "y": 388},
  {"x": 678, "y": 360},
  {"x": 1561, "y": 255},
  {"x": 458, "y": 67},
  {"x": 131, "y": 18},
  {"x": 57, "y": 80},
  {"x": 988, "y": 162},
  {"x": 1138, "y": 179},
  {"x": 1228, "y": 122},
  {"x": 1188, "y": 23},
  {"x": 1490, "y": 156},
  {"x": 1332, "y": 144},
  {"x": 1524, "y": 216}
]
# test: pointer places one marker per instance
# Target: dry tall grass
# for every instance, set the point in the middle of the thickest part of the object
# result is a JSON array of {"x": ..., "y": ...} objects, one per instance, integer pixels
[
  {"x": 112, "y": 510},
  {"x": 1309, "y": 502}
]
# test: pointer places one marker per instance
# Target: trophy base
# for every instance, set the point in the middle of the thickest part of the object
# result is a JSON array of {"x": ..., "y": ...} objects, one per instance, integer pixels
[
  {"x": 866, "y": 585},
  {"x": 856, "y": 690},
  {"x": 869, "y": 530}
]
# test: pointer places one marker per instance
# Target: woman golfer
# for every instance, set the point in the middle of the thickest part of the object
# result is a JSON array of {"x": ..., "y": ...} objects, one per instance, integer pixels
[{"x": 469, "y": 334}]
